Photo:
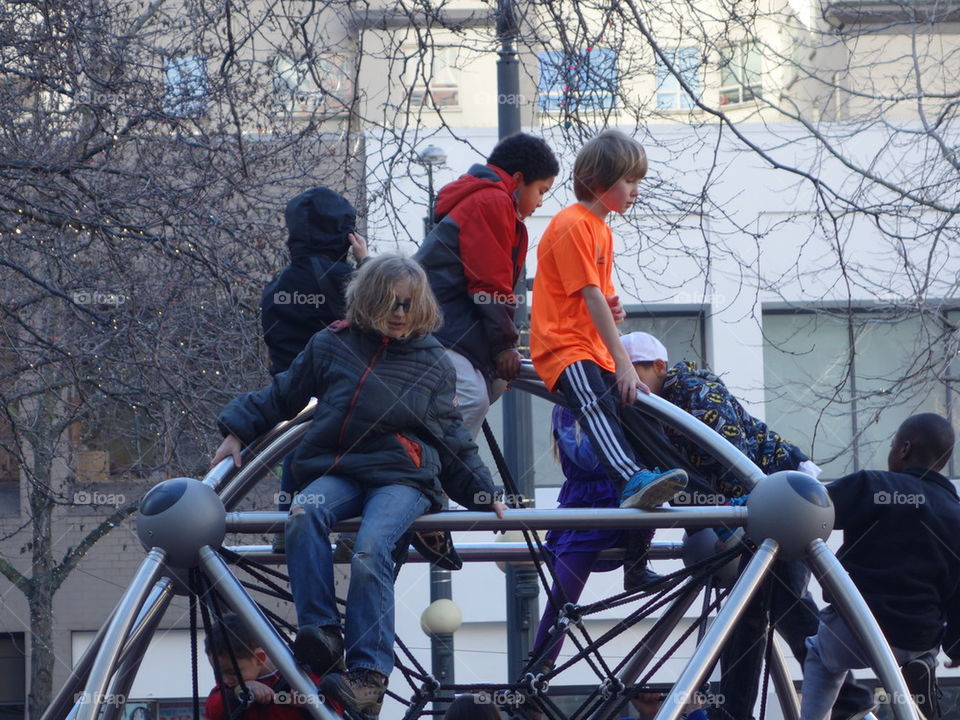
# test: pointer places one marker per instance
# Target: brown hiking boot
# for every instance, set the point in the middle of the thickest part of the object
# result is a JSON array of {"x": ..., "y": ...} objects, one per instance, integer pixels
[{"x": 358, "y": 691}]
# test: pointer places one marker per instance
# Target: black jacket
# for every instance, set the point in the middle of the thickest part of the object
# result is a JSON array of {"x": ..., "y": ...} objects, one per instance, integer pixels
[
  {"x": 302, "y": 300},
  {"x": 384, "y": 416},
  {"x": 308, "y": 294},
  {"x": 901, "y": 546},
  {"x": 473, "y": 257}
]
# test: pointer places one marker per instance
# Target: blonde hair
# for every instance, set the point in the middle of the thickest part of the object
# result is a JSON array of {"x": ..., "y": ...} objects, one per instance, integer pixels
[
  {"x": 371, "y": 296},
  {"x": 605, "y": 159}
]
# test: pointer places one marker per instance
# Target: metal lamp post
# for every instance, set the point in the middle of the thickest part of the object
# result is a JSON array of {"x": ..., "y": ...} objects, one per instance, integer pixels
[
  {"x": 522, "y": 583},
  {"x": 440, "y": 621},
  {"x": 441, "y": 587}
]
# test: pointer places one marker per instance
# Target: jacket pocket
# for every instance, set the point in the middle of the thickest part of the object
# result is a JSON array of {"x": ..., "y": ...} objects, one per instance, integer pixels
[{"x": 414, "y": 450}]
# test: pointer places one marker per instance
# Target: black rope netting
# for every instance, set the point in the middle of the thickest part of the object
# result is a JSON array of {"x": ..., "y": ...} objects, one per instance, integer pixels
[{"x": 531, "y": 688}]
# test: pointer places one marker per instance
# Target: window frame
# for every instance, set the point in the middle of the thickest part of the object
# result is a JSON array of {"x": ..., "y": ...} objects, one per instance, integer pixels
[
  {"x": 690, "y": 70},
  {"x": 739, "y": 55},
  {"x": 861, "y": 421},
  {"x": 561, "y": 75}
]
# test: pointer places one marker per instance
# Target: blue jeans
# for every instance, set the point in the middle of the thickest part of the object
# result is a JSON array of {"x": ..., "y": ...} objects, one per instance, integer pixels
[
  {"x": 831, "y": 653},
  {"x": 387, "y": 513}
]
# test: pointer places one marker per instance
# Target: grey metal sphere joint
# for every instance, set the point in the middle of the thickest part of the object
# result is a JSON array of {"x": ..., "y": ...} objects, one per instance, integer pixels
[
  {"x": 791, "y": 508},
  {"x": 702, "y": 545},
  {"x": 180, "y": 516}
]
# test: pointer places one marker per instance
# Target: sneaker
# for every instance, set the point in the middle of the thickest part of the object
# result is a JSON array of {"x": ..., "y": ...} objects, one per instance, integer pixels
[
  {"x": 920, "y": 676},
  {"x": 650, "y": 488},
  {"x": 359, "y": 690},
  {"x": 320, "y": 648}
]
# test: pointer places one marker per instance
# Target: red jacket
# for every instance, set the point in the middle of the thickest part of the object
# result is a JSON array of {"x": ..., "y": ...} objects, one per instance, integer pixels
[
  {"x": 282, "y": 707},
  {"x": 474, "y": 257}
]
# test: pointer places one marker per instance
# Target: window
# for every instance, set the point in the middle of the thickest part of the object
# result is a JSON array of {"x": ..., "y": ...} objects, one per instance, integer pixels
[
  {"x": 186, "y": 86},
  {"x": 670, "y": 95},
  {"x": 586, "y": 80},
  {"x": 117, "y": 441},
  {"x": 740, "y": 71},
  {"x": 442, "y": 89},
  {"x": 308, "y": 86},
  {"x": 840, "y": 389},
  {"x": 13, "y": 675}
]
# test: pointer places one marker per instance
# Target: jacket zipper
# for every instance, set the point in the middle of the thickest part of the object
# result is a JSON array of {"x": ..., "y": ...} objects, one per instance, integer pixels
[{"x": 353, "y": 400}]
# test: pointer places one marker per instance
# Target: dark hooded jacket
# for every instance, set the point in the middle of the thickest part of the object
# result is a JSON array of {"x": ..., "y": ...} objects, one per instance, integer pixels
[
  {"x": 384, "y": 416},
  {"x": 308, "y": 294},
  {"x": 474, "y": 257}
]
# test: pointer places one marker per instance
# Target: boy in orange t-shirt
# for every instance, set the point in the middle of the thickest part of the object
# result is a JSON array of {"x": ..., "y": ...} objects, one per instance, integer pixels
[{"x": 574, "y": 343}]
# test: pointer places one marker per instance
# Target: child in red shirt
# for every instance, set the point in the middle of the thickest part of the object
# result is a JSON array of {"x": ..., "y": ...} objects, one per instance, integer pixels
[{"x": 267, "y": 695}]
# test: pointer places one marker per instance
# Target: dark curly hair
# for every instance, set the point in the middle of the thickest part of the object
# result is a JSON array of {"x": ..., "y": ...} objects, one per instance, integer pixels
[{"x": 526, "y": 154}]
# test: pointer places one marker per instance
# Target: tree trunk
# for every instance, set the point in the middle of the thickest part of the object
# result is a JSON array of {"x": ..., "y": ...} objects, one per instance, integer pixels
[{"x": 42, "y": 657}]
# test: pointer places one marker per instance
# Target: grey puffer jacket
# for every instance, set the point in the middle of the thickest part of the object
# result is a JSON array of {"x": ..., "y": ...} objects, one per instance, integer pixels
[{"x": 384, "y": 416}]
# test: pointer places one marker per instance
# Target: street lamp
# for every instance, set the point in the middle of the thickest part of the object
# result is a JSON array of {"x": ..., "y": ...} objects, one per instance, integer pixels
[
  {"x": 440, "y": 621},
  {"x": 430, "y": 157}
]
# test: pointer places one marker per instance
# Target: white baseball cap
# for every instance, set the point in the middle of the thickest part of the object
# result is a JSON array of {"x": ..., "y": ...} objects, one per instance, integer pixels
[{"x": 643, "y": 347}]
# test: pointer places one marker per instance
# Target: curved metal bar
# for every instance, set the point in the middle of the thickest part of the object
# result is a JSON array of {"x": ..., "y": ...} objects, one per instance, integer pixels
[
  {"x": 265, "y": 634},
  {"x": 474, "y": 552},
  {"x": 66, "y": 698},
  {"x": 659, "y": 634},
  {"x": 274, "y": 445},
  {"x": 258, "y": 464},
  {"x": 783, "y": 683},
  {"x": 854, "y": 610},
  {"x": 692, "y": 518},
  {"x": 224, "y": 472},
  {"x": 708, "y": 649},
  {"x": 666, "y": 412},
  {"x": 95, "y": 692},
  {"x": 136, "y": 647}
]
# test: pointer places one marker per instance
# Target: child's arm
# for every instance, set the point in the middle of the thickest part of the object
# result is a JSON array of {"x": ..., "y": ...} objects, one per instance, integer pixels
[
  {"x": 628, "y": 382},
  {"x": 250, "y": 416}
]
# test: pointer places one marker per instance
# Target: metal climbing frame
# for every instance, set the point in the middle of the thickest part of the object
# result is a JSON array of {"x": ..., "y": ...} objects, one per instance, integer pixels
[{"x": 182, "y": 523}]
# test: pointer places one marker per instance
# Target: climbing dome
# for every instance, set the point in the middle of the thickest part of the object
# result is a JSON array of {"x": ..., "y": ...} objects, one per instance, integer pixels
[{"x": 182, "y": 523}]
